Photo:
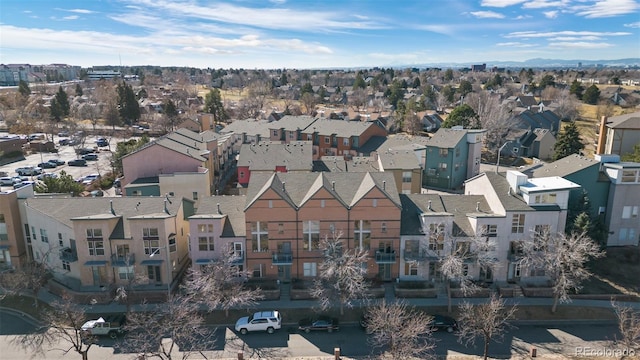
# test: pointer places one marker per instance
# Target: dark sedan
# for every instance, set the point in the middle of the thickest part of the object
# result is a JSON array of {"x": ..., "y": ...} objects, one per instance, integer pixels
[
  {"x": 77, "y": 162},
  {"x": 321, "y": 323},
  {"x": 441, "y": 322},
  {"x": 47, "y": 165}
]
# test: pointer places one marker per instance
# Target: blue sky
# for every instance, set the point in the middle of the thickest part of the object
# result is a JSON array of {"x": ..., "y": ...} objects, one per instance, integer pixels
[{"x": 314, "y": 33}]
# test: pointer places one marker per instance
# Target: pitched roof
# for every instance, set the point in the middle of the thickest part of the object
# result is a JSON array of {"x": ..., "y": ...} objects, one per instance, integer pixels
[
  {"x": 249, "y": 127},
  {"x": 267, "y": 155},
  {"x": 66, "y": 210},
  {"x": 291, "y": 123},
  {"x": 183, "y": 141},
  {"x": 230, "y": 206},
  {"x": 297, "y": 188},
  {"x": 510, "y": 201},
  {"x": 338, "y": 164},
  {"x": 447, "y": 138},
  {"x": 565, "y": 166},
  {"x": 627, "y": 121},
  {"x": 341, "y": 128},
  {"x": 398, "y": 159}
]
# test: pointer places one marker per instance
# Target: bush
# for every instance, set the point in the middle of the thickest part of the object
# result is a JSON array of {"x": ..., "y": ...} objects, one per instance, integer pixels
[
  {"x": 106, "y": 183},
  {"x": 415, "y": 285},
  {"x": 264, "y": 284}
]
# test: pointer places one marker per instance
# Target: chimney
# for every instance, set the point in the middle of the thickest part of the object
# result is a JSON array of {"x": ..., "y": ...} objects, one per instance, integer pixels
[
  {"x": 429, "y": 206},
  {"x": 283, "y": 186},
  {"x": 166, "y": 209},
  {"x": 384, "y": 185},
  {"x": 333, "y": 185},
  {"x": 478, "y": 206},
  {"x": 113, "y": 212},
  {"x": 138, "y": 204},
  {"x": 218, "y": 205},
  {"x": 602, "y": 137}
]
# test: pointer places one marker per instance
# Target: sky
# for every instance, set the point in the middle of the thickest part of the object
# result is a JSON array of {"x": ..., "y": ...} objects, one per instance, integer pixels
[{"x": 303, "y": 34}]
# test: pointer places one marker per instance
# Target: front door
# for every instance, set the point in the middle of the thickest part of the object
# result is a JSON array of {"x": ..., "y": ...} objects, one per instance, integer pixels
[
  {"x": 284, "y": 273},
  {"x": 384, "y": 272},
  {"x": 99, "y": 275},
  {"x": 153, "y": 273}
]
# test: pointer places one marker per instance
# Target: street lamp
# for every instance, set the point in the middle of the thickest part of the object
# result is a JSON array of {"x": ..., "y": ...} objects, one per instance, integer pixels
[
  {"x": 169, "y": 277},
  {"x": 499, "y": 151}
]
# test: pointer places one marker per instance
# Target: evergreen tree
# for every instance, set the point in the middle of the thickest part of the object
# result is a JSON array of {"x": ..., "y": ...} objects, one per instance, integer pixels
[
  {"x": 23, "y": 88},
  {"x": 591, "y": 95},
  {"x": 464, "y": 116},
  {"x": 576, "y": 89},
  {"x": 395, "y": 93},
  {"x": 448, "y": 75},
  {"x": 283, "y": 79},
  {"x": 213, "y": 105},
  {"x": 465, "y": 88},
  {"x": 568, "y": 143},
  {"x": 78, "y": 90},
  {"x": 634, "y": 156},
  {"x": 55, "y": 110},
  {"x": 63, "y": 101},
  {"x": 359, "y": 82},
  {"x": 306, "y": 88},
  {"x": 128, "y": 107}
]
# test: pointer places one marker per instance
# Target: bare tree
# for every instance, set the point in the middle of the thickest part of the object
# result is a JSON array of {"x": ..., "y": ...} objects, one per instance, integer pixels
[
  {"x": 567, "y": 108},
  {"x": 309, "y": 101},
  {"x": 493, "y": 116},
  {"x": 158, "y": 332},
  {"x": 629, "y": 326},
  {"x": 61, "y": 330},
  {"x": 221, "y": 286},
  {"x": 341, "y": 277},
  {"x": 488, "y": 321},
  {"x": 562, "y": 258},
  {"x": 400, "y": 331}
]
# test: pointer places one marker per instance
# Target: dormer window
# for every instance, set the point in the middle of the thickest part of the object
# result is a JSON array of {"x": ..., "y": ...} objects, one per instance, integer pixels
[{"x": 549, "y": 198}]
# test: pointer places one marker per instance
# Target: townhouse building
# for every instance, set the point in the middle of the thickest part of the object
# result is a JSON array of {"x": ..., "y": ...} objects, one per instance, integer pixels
[
  {"x": 619, "y": 134},
  {"x": 270, "y": 156},
  {"x": 623, "y": 206},
  {"x": 404, "y": 166},
  {"x": 287, "y": 214},
  {"x": 92, "y": 245},
  {"x": 453, "y": 155},
  {"x": 14, "y": 251}
]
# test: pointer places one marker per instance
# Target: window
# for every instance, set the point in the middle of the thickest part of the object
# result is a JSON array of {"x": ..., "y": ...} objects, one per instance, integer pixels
[
  {"x": 43, "y": 236},
  {"x": 463, "y": 248},
  {"x": 456, "y": 166},
  {"x": 125, "y": 272},
  {"x": 96, "y": 247},
  {"x": 195, "y": 195},
  {"x": 241, "y": 174},
  {"x": 270, "y": 204},
  {"x": 150, "y": 234},
  {"x": 280, "y": 228},
  {"x": 60, "y": 242},
  {"x": 332, "y": 228},
  {"x": 259, "y": 236},
  {"x": 601, "y": 210},
  {"x": 465, "y": 269},
  {"x": 309, "y": 137},
  {"x": 442, "y": 166},
  {"x": 205, "y": 228},
  {"x": 322, "y": 203},
  {"x": 630, "y": 176},
  {"x": 33, "y": 232},
  {"x": 275, "y": 132},
  {"x": 545, "y": 198},
  {"x": 629, "y": 212},
  {"x": 151, "y": 246},
  {"x": 311, "y": 231},
  {"x": 257, "y": 270},
  {"x": 374, "y": 203},
  {"x": 541, "y": 230},
  {"x": 406, "y": 176},
  {"x": 517, "y": 224},
  {"x": 345, "y": 141},
  {"x": 362, "y": 234},
  {"x": 291, "y": 133},
  {"x": 625, "y": 234},
  {"x": 411, "y": 268},
  {"x": 383, "y": 227},
  {"x": 66, "y": 266},
  {"x": 94, "y": 233},
  {"x": 490, "y": 231},
  {"x": 444, "y": 152},
  {"x": 457, "y": 152},
  {"x": 205, "y": 243},
  {"x": 4, "y": 235},
  {"x": 326, "y": 139},
  {"x": 435, "y": 272},
  {"x": 27, "y": 233},
  {"x": 172, "y": 244},
  {"x": 309, "y": 269}
]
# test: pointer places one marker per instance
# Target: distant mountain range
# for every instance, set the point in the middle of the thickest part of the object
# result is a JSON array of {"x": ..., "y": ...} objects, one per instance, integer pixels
[{"x": 540, "y": 63}]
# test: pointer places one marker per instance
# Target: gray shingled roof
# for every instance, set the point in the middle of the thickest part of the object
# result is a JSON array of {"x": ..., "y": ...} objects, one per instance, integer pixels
[
  {"x": 249, "y": 127},
  {"x": 65, "y": 209},
  {"x": 232, "y": 207},
  {"x": 447, "y": 138},
  {"x": 565, "y": 166},
  {"x": 348, "y": 188},
  {"x": 338, "y": 164},
  {"x": 291, "y": 123},
  {"x": 510, "y": 201},
  {"x": 627, "y": 121},
  {"x": 398, "y": 159},
  {"x": 345, "y": 129},
  {"x": 266, "y": 156},
  {"x": 462, "y": 205}
]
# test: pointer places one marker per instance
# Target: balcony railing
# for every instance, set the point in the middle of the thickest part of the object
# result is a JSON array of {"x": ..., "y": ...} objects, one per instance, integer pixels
[
  {"x": 282, "y": 258},
  {"x": 68, "y": 255},
  {"x": 514, "y": 255},
  {"x": 384, "y": 257},
  {"x": 237, "y": 258},
  {"x": 420, "y": 255},
  {"x": 126, "y": 260}
]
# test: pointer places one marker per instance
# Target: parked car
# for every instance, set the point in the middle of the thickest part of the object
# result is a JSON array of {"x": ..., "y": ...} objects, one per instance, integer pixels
[
  {"x": 6, "y": 181},
  {"x": 47, "y": 165},
  {"x": 28, "y": 171},
  {"x": 77, "y": 162},
  {"x": 102, "y": 142},
  {"x": 63, "y": 134},
  {"x": 90, "y": 157},
  {"x": 58, "y": 162},
  {"x": 47, "y": 176},
  {"x": 63, "y": 142},
  {"x": 87, "y": 180},
  {"x": 268, "y": 321},
  {"x": 111, "y": 326},
  {"x": 85, "y": 151},
  {"x": 22, "y": 184},
  {"x": 441, "y": 322},
  {"x": 97, "y": 193},
  {"x": 320, "y": 323}
]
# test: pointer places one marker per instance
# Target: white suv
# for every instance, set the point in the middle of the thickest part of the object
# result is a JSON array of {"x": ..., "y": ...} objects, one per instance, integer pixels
[{"x": 268, "y": 321}]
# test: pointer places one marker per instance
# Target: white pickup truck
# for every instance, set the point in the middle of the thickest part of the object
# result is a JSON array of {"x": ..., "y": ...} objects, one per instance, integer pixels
[
  {"x": 111, "y": 326},
  {"x": 268, "y": 321}
]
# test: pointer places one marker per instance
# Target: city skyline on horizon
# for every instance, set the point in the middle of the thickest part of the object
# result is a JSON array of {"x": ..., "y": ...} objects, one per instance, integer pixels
[{"x": 301, "y": 34}]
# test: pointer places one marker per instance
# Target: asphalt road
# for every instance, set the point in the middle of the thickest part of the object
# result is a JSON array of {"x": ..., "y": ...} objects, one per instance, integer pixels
[{"x": 550, "y": 341}]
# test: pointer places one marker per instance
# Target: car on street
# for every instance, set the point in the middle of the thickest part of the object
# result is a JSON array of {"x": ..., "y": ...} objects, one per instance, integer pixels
[
  {"x": 442, "y": 322},
  {"x": 77, "y": 162},
  {"x": 47, "y": 165},
  {"x": 268, "y": 321},
  {"x": 90, "y": 157},
  {"x": 320, "y": 323}
]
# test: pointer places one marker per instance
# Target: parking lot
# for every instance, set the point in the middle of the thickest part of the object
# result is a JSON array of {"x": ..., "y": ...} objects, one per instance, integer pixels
[{"x": 66, "y": 153}]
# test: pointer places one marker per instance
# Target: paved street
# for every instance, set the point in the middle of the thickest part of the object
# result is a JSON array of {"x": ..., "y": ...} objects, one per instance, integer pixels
[{"x": 550, "y": 341}]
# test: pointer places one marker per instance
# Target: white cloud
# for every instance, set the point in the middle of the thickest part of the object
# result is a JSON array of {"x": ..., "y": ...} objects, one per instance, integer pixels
[
  {"x": 549, "y": 34},
  {"x": 539, "y": 4},
  {"x": 81, "y": 11},
  {"x": 278, "y": 2},
  {"x": 71, "y": 17},
  {"x": 515, "y": 44},
  {"x": 522, "y": 17},
  {"x": 551, "y": 14},
  {"x": 438, "y": 29},
  {"x": 487, "y": 15},
  {"x": 575, "y": 38},
  {"x": 607, "y": 8},
  {"x": 579, "y": 45},
  {"x": 635, "y": 25},
  {"x": 500, "y": 3}
]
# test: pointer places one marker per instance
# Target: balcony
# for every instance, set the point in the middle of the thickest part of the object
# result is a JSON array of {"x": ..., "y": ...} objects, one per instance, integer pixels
[
  {"x": 514, "y": 255},
  {"x": 123, "y": 260},
  {"x": 420, "y": 255},
  {"x": 68, "y": 255},
  {"x": 282, "y": 258},
  {"x": 237, "y": 258},
  {"x": 384, "y": 257}
]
